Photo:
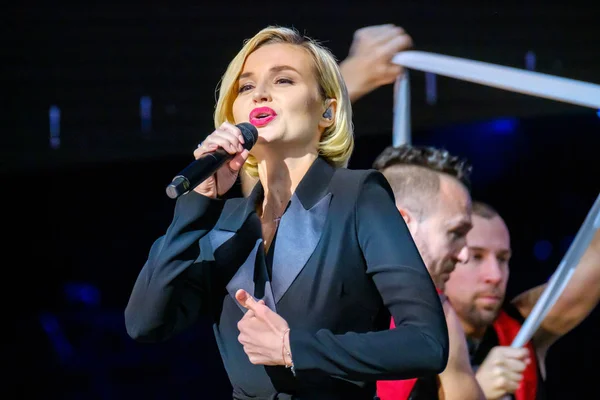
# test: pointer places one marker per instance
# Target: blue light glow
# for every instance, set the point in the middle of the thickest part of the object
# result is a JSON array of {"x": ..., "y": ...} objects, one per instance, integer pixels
[
  {"x": 501, "y": 125},
  {"x": 542, "y": 250},
  {"x": 82, "y": 293}
]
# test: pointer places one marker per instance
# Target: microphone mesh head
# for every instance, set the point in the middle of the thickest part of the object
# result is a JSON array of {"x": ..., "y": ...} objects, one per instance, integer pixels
[{"x": 250, "y": 134}]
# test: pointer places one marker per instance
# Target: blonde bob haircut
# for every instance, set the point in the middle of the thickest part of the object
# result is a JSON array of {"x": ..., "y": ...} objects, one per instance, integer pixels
[{"x": 337, "y": 141}]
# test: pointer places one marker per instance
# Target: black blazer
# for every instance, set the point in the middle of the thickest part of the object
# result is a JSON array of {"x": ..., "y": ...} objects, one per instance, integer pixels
[{"x": 343, "y": 261}]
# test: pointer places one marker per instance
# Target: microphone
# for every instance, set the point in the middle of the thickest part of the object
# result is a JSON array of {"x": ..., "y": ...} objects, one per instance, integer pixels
[{"x": 208, "y": 163}]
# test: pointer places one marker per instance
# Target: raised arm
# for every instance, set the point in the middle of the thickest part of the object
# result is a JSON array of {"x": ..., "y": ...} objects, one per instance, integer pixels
[
  {"x": 172, "y": 287},
  {"x": 578, "y": 299},
  {"x": 419, "y": 344},
  {"x": 368, "y": 65}
]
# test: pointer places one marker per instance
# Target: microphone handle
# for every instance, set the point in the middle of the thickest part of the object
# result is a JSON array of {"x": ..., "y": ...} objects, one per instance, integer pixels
[{"x": 197, "y": 172}]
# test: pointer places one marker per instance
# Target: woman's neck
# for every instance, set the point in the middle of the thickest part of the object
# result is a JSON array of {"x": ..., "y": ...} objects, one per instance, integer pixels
[{"x": 280, "y": 178}]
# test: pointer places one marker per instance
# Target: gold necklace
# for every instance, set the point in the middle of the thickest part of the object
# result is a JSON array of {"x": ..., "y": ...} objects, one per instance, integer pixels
[{"x": 276, "y": 219}]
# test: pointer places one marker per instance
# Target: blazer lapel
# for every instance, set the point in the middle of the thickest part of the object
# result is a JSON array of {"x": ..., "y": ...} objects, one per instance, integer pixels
[
  {"x": 237, "y": 211},
  {"x": 298, "y": 234},
  {"x": 252, "y": 273},
  {"x": 301, "y": 226},
  {"x": 252, "y": 277},
  {"x": 217, "y": 237}
]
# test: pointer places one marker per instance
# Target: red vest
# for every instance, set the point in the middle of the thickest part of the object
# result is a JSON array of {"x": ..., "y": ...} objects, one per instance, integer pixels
[{"x": 506, "y": 329}]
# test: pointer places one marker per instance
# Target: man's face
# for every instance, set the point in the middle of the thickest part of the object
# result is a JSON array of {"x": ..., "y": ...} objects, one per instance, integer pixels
[
  {"x": 476, "y": 289},
  {"x": 441, "y": 234}
]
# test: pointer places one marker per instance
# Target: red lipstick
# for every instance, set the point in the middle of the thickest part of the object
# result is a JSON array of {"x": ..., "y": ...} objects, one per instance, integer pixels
[{"x": 261, "y": 116}]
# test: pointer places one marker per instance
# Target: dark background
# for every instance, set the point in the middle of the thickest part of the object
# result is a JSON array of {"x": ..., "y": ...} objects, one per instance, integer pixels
[{"x": 81, "y": 218}]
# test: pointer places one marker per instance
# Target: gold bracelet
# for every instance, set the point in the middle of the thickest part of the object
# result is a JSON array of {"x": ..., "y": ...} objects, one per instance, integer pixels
[{"x": 285, "y": 351}]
